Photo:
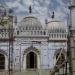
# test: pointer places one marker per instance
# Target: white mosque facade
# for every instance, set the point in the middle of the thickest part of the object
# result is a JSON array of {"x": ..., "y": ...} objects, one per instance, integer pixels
[{"x": 34, "y": 46}]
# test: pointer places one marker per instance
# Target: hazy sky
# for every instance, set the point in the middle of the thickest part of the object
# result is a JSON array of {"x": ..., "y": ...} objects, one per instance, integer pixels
[{"x": 41, "y": 8}]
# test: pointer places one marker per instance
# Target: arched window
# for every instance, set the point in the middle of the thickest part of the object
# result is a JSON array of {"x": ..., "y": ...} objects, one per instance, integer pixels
[
  {"x": 31, "y": 60},
  {"x": 23, "y": 28},
  {"x": 34, "y": 32},
  {"x": 38, "y": 32},
  {"x": 57, "y": 35},
  {"x": 41, "y": 32},
  {"x": 54, "y": 35},
  {"x": 31, "y": 32},
  {"x": 32, "y": 28},
  {"x": 2, "y": 62},
  {"x": 39, "y": 28},
  {"x": 26, "y": 28},
  {"x": 60, "y": 35},
  {"x": 65, "y": 35},
  {"x": 29, "y": 28},
  {"x": 17, "y": 32},
  {"x": 44, "y": 33},
  {"x": 35, "y": 28}
]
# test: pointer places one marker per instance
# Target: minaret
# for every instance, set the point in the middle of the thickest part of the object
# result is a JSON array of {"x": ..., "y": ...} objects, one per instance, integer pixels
[
  {"x": 72, "y": 13},
  {"x": 71, "y": 47}
]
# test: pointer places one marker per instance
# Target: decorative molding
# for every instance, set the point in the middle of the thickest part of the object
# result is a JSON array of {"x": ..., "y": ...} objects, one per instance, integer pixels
[
  {"x": 3, "y": 52},
  {"x": 32, "y": 49}
]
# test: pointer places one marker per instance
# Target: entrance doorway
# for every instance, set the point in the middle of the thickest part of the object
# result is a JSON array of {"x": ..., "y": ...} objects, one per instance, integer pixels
[
  {"x": 31, "y": 60},
  {"x": 2, "y": 62}
]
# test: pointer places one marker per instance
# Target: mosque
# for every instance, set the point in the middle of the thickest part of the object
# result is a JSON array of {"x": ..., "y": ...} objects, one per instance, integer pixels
[{"x": 30, "y": 46}]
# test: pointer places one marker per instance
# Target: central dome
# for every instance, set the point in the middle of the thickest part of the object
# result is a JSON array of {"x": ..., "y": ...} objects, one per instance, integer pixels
[{"x": 31, "y": 21}]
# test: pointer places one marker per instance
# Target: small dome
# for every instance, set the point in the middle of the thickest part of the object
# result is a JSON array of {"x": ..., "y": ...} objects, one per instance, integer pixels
[{"x": 55, "y": 26}]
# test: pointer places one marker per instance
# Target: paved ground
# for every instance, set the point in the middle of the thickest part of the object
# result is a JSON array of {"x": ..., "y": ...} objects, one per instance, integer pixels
[{"x": 28, "y": 72}]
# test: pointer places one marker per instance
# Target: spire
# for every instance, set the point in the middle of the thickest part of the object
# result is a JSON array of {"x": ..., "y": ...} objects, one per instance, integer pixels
[
  {"x": 53, "y": 15},
  {"x": 30, "y": 9},
  {"x": 46, "y": 21}
]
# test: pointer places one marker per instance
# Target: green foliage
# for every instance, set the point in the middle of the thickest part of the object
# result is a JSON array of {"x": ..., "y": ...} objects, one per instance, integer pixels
[{"x": 3, "y": 23}]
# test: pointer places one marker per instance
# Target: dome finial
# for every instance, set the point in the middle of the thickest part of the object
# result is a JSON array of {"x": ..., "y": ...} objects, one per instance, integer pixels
[
  {"x": 53, "y": 15},
  {"x": 30, "y": 9},
  {"x": 46, "y": 21}
]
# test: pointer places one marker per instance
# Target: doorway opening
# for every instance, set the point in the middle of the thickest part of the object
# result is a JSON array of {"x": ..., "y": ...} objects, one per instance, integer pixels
[
  {"x": 2, "y": 62},
  {"x": 31, "y": 60}
]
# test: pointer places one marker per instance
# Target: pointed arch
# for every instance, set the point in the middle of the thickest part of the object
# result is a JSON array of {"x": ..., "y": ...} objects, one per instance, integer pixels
[
  {"x": 31, "y": 56},
  {"x": 32, "y": 49}
]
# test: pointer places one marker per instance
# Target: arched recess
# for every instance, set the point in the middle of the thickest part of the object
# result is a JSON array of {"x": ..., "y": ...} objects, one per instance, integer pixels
[
  {"x": 35, "y": 54},
  {"x": 60, "y": 56},
  {"x": 3, "y": 60}
]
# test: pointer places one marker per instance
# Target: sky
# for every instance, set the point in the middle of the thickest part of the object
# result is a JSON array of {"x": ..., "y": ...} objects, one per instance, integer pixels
[{"x": 42, "y": 9}]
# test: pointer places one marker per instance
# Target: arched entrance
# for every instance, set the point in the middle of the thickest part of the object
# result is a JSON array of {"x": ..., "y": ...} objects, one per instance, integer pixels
[
  {"x": 31, "y": 60},
  {"x": 2, "y": 62}
]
